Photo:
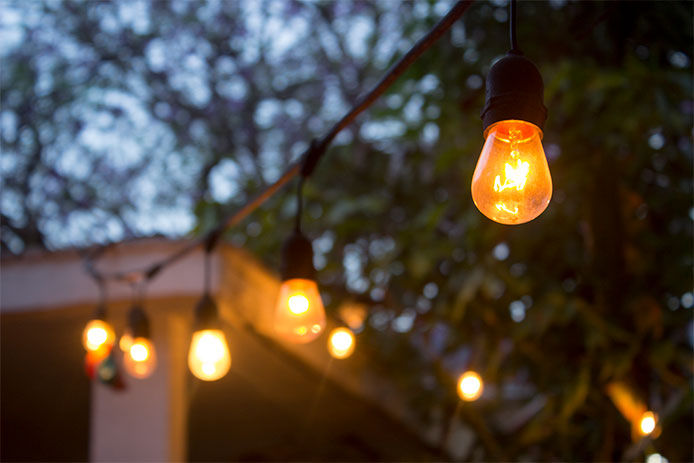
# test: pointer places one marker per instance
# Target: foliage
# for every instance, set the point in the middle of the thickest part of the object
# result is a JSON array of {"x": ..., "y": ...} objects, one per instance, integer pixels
[{"x": 130, "y": 118}]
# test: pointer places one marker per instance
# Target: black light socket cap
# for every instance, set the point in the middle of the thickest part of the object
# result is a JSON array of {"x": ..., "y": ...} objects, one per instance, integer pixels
[
  {"x": 515, "y": 91},
  {"x": 100, "y": 313},
  {"x": 206, "y": 314},
  {"x": 297, "y": 258},
  {"x": 138, "y": 322}
]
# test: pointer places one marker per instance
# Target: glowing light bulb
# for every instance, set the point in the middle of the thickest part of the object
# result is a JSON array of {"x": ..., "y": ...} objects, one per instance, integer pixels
[
  {"x": 656, "y": 458},
  {"x": 647, "y": 423},
  {"x": 97, "y": 335},
  {"x": 208, "y": 357},
  {"x": 125, "y": 342},
  {"x": 470, "y": 386},
  {"x": 299, "y": 314},
  {"x": 341, "y": 343},
  {"x": 511, "y": 184},
  {"x": 141, "y": 358}
]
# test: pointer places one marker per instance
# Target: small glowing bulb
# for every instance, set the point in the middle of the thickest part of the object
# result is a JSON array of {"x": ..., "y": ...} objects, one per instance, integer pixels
[
  {"x": 656, "y": 458},
  {"x": 125, "y": 341},
  {"x": 208, "y": 357},
  {"x": 341, "y": 343},
  {"x": 97, "y": 334},
  {"x": 299, "y": 314},
  {"x": 140, "y": 359},
  {"x": 470, "y": 386},
  {"x": 511, "y": 184},
  {"x": 647, "y": 423}
]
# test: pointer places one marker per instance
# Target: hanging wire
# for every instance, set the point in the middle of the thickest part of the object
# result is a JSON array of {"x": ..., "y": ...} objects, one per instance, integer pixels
[
  {"x": 512, "y": 27},
  {"x": 101, "y": 308},
  {"x": 299, "y": 203},
  {"x": 309, "y": 158},
  {"x": 207, "y": 272}
]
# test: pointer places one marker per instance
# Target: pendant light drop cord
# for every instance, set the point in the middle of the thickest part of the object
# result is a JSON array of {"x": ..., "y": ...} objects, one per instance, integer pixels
[
  {"x": 299, "y": 203},
  {"x": 512, "y": 27},
  {"x": 207, "y": 272}
]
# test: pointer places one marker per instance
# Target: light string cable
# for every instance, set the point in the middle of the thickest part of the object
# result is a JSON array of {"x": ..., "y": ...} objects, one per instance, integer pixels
[
  {"x": 513, "y": 11},
  {"x": 310, "y": 157},
  {"x": 210, "y": 243}
]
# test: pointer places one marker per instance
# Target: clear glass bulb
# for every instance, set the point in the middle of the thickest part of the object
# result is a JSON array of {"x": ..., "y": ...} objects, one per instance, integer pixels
[
  {"x": 341, "y": 343},
  {"x": 511, "y": 183},
  {"x": 208, "y": 357},
  {"x": 299, "y": 314},
  {"x": 141, "y": 358},
  {"x": 470, "y": 386},
  {"x": 97, "y": 335}
]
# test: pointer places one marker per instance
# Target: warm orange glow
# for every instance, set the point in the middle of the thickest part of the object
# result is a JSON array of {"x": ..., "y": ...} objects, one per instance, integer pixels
[
  {"x": 141, "y": 358},
  {"x": 97, "y": 335},
  {"x": 125, "y": 341},
  {"x": 208, "y": 357},
  {"x": 341, "y": 343},
  {"x": 299, "y": 315},
  {"x": 647, "y": 423},
  {"x": 470, "y": 386},
  {"x": 511, "y": 183},
  {"x": 93, "y": 359}
]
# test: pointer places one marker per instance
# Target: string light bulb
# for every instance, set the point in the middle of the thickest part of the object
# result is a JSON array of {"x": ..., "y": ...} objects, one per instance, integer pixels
[
  {"x": 511, "y": 184},
  {"x": 98, "y": 335},
  {"x": 125, "y": 341},
  {"x": 208, "y": 355},
  {"x": 341, "y": 343},
  {"x": 647, "y": 423},
  {"x": 299, "y": 312},
  {"x": 470, "y": 386},
  {"x": 140, "y": 357}
]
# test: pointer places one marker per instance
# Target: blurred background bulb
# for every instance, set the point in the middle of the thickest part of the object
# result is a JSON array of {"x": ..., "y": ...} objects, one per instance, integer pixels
[
  {"x": 511, "y": 184},
  {"x": 647, "y": 423},
  {"x": 208, "y": 357},
  {"x": 341, "y": 343},
  {"x": 97, "y": 335},
  {"x": 299, "y": 314},
  {"x": 470, "y": 386},
  {"x": 125, "y": 341},
  {"x": 140, "y": 359}
]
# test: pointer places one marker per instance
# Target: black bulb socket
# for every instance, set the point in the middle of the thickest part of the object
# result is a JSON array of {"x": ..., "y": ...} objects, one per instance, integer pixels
[
  {"x": 100, "y": 313},
  {"x": 206, "y": 314},
  {"x": 138, "y": 323},
  {"x": 297, "y": 258},
  {"x": 514, "y": 91}
]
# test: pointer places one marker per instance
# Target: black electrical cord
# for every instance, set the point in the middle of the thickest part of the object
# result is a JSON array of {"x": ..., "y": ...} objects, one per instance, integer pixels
[
  {"x": 512, "y": 27},
  {"x": 310, "y": 157},
  {"x": 299, "y": 204},
  {"x": 207, "y": 272}
]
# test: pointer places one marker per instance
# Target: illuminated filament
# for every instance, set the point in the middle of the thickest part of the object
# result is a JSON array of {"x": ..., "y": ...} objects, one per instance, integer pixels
[
  {"x": 298, "y": 304},
  {"x": 502, "y": 207},
  {"x": 515, "y": 176}
]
